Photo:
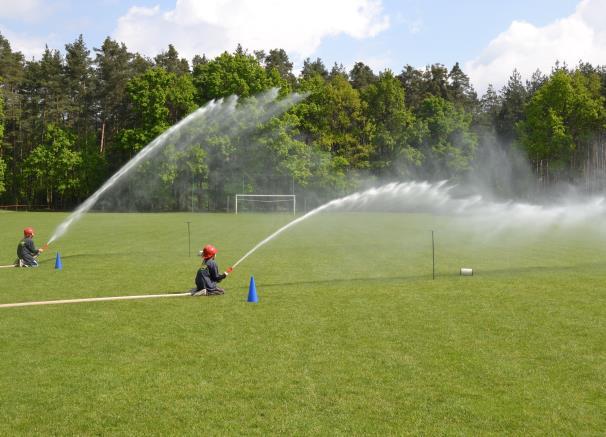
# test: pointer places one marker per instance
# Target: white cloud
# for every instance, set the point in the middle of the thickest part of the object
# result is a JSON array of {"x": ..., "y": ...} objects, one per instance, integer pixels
[
  {"x": 30, "y": 46},
  {"x": 28, "y": 11},
  {"x": 580, "y": 36},
  {"x": 377, "y": 63},
  {"x": 414, "y": 26},
  {"x": 24, "y": 10},
  {"x": 213, "y": 26}
]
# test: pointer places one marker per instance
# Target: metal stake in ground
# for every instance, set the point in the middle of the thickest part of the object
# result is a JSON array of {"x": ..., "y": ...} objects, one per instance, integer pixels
[
  {"x": 433, "y": 258},
  {"x": 188, "y": 239}
]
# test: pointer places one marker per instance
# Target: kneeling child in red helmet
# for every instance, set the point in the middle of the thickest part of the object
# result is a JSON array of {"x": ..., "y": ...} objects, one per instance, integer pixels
[
  {"x": 208, "y": 275},
  {"x": 27, "y": 251}
]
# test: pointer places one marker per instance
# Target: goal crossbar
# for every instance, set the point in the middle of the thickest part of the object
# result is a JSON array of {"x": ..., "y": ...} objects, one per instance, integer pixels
[{"x": 273, "y": 198}]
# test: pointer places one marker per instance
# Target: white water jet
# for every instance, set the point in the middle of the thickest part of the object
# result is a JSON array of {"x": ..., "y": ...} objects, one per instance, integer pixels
[
  {"x": 359, "y": 199},
  {"x": 216, "y": 111},
  {"x": 436, "y": 198},
  {"x": 144, "y": 153}
]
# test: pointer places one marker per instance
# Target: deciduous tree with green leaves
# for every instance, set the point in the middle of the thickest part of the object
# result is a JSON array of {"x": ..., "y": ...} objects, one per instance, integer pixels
[
  {"x": 52, "y": 167},
  {"x": 239, "y": 73},
  {"x": 157, "y": 99},
  {"x": 445, "y": 137},
  {"x": 334, "y": 117},
  {"x": 283, "y": 152},
  {"x": 391, "y": 121},
  {"x": 562, "y": 117}
]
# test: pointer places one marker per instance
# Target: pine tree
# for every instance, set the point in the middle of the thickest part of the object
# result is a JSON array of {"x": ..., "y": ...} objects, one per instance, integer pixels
[
  {"x": 169, "y": 60},
  {"x": 361, "y": 75}
]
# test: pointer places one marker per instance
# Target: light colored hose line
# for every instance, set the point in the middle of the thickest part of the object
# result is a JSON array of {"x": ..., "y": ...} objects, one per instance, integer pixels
[{"x": 90, "y": 299}]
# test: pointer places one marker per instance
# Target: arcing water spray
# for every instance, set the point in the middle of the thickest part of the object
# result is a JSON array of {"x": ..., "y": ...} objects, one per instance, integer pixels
[
  {"x": 359, "y": 199},
  {"x": 436, "y": 198},
  {"x": 143, "y": 154},
  {"x": 230, "y": 119}
]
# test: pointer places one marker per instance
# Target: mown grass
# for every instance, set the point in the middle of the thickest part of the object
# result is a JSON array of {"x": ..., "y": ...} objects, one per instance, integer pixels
[{"x": 351, "y": 334}]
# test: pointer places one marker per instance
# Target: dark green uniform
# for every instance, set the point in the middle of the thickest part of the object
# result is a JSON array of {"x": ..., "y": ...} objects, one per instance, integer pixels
[
  {"x": 208, "y": 277},
  {"x": 26, "y": 251}
]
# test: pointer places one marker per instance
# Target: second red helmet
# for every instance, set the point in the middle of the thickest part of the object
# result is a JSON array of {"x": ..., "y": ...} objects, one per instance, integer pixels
[{"x": 209, "y": 251}]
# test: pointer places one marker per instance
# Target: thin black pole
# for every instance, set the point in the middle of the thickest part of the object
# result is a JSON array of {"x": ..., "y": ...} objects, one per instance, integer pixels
[
  {"x": 193, "y": 183},
  {"x": 433, "y": 258},
  {"x": 188, "y": 239}
]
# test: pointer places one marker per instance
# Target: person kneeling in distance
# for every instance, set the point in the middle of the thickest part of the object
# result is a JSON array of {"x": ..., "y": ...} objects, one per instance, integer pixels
[
  {"x": 208, "y": 275},
  {"x": 27, "y": 251}
]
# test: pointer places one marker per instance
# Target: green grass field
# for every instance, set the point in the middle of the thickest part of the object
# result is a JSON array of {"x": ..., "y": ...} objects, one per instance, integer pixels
[{"x": 350, "y": 336}]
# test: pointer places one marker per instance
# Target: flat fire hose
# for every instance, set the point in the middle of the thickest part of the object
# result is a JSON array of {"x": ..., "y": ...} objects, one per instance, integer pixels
[{"x": 90, "y": 299}]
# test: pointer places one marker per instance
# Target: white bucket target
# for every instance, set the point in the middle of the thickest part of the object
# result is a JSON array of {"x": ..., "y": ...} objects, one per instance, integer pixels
[{"x": 466, "y": 271}]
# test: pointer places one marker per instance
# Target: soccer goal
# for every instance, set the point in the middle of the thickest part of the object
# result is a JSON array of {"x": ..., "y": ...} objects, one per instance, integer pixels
[{"x": 266, "y": 203}]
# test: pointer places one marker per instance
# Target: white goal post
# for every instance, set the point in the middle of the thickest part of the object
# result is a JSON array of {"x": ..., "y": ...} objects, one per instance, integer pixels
[{"x": 291, "y": 199}]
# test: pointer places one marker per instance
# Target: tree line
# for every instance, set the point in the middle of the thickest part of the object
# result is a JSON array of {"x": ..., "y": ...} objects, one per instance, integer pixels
[{"x": 69, "y": 120}]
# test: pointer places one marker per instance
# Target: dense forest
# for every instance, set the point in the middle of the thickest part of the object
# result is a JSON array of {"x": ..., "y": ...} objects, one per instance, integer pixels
[{"x": 72, "y": 118}]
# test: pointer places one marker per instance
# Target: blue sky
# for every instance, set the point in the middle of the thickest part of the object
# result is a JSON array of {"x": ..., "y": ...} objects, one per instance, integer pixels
[{"x": 488, "y": 38}]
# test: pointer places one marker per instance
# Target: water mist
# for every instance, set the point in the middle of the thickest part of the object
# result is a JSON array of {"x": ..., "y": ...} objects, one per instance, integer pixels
[
  {"x": 224, "y": 114},
  {"x": 484, "y": 216}
]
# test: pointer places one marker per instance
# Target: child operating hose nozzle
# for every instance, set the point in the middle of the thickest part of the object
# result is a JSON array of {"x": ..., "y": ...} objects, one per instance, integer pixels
[
  {"x": 27, "y": 253},
  {"x": 208, "y": 275}
]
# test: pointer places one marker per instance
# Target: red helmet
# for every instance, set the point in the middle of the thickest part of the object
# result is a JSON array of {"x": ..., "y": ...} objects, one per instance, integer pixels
[
  {"x": 209, "y": 251},
  {"x": 28, "y": 232}
]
